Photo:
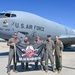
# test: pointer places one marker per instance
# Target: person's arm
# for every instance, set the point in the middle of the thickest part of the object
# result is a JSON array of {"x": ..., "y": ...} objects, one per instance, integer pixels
[
  {"x": 9, "y": 43},
  {"x": 61, "y": 48},
  {"x": 60, "y": 53},
  {"x": 44, "y": 45},
  {"x": 53, "y": 46}
]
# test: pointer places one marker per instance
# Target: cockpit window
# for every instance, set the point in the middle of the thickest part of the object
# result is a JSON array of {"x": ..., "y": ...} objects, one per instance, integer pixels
[
  {"x": 1, "y": 14},
  {"x": 7, "y": 14},
  {"x": 13, "y": 15}
]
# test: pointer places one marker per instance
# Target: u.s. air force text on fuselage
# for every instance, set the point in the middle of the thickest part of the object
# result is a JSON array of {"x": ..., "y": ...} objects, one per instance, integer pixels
[{"x": 27, "y": 26}]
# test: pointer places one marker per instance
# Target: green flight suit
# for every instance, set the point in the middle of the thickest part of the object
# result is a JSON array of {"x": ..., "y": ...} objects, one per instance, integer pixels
[
  {"x": 12, "y": 54},
  {"x": 49, "y": 47},
  {"x": 58, "y": 58}
]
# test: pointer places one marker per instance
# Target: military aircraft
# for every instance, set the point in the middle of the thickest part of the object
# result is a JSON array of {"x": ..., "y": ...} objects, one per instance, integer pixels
[{"x": 28, "y": 24}]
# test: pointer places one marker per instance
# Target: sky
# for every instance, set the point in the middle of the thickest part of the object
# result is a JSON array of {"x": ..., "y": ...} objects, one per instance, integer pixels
[{"x": 60, "y": 11}]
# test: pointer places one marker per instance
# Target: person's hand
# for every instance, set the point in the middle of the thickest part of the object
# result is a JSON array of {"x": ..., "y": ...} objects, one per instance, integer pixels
[
  {"x": 53, "y": 54},
  {"x": 60, "y": 54},
  {"x": 12, "y": 44}
]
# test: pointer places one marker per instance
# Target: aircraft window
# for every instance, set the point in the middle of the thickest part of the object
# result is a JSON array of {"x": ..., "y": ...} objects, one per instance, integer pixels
[
  {"x": 7, "y": 14},
  {"x": 13, "y": 15},
  {"x": 1, "y": 14}
]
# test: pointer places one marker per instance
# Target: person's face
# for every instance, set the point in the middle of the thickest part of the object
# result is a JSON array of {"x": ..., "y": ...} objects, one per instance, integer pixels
[
  {"x": 15, "y": 35},
  {"x": 48, "y": 38},
  {"x": 37, "y": 38},
  {"x": 26, "y": 39},
  {"x": 56, "y": 38}
]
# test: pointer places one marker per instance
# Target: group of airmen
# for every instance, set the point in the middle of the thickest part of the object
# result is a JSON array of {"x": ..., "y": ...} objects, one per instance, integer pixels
[{"x": 53, "y": 51}]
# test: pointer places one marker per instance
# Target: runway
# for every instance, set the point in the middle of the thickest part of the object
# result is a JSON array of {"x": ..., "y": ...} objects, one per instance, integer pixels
[{"x": 68, "y": 62}]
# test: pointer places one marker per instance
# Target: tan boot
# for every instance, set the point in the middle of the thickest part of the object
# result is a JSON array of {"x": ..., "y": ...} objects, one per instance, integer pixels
[
  {"x": 8, "y": 73},
  {"x": 54, "y": 71},
  {"x": 46, "y": 70},
  {"x": 15, "y": 71},
  {"x": 42, "y": 69},
  {"x": 59, "y": 71}
]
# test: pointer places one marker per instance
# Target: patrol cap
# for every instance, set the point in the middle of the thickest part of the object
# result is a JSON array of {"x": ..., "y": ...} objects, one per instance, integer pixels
[{"x": 48, "y": 35}]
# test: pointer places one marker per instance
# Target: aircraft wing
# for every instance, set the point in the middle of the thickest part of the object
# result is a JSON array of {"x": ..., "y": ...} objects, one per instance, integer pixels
[{"x": 67, "y": 39}]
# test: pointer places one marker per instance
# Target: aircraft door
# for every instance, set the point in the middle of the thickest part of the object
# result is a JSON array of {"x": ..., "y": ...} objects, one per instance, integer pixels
[{"x": 21, "y": 36}]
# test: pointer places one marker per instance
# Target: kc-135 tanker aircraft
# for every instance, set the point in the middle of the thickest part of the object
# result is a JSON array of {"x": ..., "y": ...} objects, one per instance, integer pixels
[{"x": 28, "y": 24}]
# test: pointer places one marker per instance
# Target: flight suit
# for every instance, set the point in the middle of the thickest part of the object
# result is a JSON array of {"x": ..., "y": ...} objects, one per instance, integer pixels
[
  {"x": 58, "y": 58},
  {"x": 36, "y": 63},
  {"x": 22, "y": 63},
  {"x": 12, "y": 54},
  {"x": 49, "y": 47}
]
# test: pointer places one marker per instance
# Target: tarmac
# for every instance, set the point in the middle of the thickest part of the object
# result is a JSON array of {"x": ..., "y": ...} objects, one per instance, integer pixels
[{"x": 68, "y": 62}]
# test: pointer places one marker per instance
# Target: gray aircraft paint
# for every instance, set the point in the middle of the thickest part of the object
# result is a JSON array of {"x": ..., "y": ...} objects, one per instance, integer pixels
[{"x": 32, "y": 25}]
